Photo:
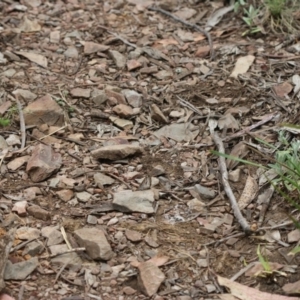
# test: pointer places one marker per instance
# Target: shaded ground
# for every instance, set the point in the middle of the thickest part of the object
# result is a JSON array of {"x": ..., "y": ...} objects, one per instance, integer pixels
[{"x": 172, "y": 80}]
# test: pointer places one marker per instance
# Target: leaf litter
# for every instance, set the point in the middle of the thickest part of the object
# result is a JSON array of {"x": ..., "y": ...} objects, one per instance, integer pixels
[{"x": 108, "y": 186}]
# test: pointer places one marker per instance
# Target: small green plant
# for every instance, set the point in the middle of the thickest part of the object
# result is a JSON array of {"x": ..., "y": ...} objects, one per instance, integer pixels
[
  {"x": 285, "y": 165},
  {"x": 61, "y": 101},
  {"x": 238, "y": 4},
  {"x": 251, "y": 15},
  {"x": 267, "y": 267},
  {"x": 276, "y": 7},
  {"x": 4, "y": 122},
  {"x": 277, "y": 15}
]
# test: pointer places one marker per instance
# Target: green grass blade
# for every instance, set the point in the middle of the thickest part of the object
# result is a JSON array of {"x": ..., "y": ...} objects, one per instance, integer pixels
[
  {"x": 248, "y": 162},
  {"x": 263, "y": 262}
]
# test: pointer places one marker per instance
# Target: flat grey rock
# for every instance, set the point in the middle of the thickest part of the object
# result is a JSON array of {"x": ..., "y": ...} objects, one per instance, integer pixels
[
  {"x": 138, "y": 201},
  {"x": 178, "y": 132},
  {"x": 102, "y": 179},
  {"x": 20, "y": 270},
  {"x": 71, "y": 258},
  {"x": 205, "y": 192},
  {"x": 34, "y": 248},
  {"x": 95, "y": 243}
]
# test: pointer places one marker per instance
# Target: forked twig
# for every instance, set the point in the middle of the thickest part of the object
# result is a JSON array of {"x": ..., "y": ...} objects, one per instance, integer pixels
[
  {"x": 198, "y": 28},
  {"x": 224, "y": 175}
]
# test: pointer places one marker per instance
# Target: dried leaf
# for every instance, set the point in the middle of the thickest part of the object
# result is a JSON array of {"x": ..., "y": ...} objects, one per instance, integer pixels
[
  {"x": 249, "y": 192},
  {"x": 296, "y": 82},
  {"x": 228, "y": 121},
  {"x": 243, "y": 292},
  {"x": 240, "y": 150},
  {"x": 34, "y": 57},
  {"x": 292, "y": 288},
  {"x": 283, "y": 89},
  {"x": 217, "y": 16},
  {"x": 30, "y": 26},
  {"x": 242, "y": 65}
]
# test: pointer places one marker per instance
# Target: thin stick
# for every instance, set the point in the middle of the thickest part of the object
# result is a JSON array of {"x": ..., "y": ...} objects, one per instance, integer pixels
[
  {"x": 190, "y": 106},
  {"x": 59, "y": 129},
  {"x": 63, "y": 252},
  {"x": 117, "y": 178},
  {"x": 224, "y": 176},
  {"x": 22, "y": 123},
  {"x": 118, "y": 37},
  {"x": 61, "y": 270},
  {"x": 198, "y": 28},
  {"x": 224, "y": 239},
  {"x": 21, "y": 292},
  {"x": 21, "y": 245},
  {"x": 63, "y": 232},
  {"x": 266, "y": 197},
  {"x": 277, "y": 226},
  {"x": 244, "y": 270}
]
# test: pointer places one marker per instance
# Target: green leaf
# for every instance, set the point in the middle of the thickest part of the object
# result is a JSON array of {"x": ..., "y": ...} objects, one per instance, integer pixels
[
  {"x": 4, "y": 122},
  {"x": 294, "y": 251},
  {"x": 236, "y": 7}
]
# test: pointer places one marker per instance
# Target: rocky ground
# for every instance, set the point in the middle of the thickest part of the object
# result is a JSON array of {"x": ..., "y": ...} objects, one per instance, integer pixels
[{"x": 109, "y": 111}]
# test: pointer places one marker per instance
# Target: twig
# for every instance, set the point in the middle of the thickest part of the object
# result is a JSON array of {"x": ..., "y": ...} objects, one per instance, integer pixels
[
  {"x": 21, "y": 292},
  {"x": 242, "y": 271},
  {"x": 266, "y": 119},
  {"x": 117, "y": 178},
  {"x": 22, "y": 124},
  {"x": 277, "y": 226},
  {"x": 224, "y": 176},
  {"x": 65, "y": 278},
  {"x": 190, "y": 106},
  {"x": 198, "y": 28},
  {"x": 224, "y": 239},
  {"x": 21, "y": 245},
  {"x": 266, "y": 198},
  {"x": 61, "y": 270},
  {"x": 63, "y": 232},
  {"x": 118, "y": 37},
  {"x": 57, "y": 130},
  {"x": 63, "y": 252}
]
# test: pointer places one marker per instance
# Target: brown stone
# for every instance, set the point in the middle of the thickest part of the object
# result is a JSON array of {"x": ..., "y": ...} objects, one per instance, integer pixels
[
  {"x": 115, "y": 152},
  {"x": 38, "y": 213},
  {"x": 120, "y": 98},
  {"x": 44, "y": 110},
  {"x": 43, "y": 163},
  {"x": 150, "y": 278},
  {"x": 123, "y": 110}
]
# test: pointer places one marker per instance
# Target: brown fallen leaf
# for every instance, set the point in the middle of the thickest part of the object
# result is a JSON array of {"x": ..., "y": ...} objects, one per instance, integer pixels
[
  {"x": 34, "y": 57},
  {"x": 283, "y": 89},
  {"x": 29, "y": 26},
  {"x": 242, "y": 65},
  {"x": 292, "y": 288},
  {"x": 240, "y": 150},
  {"x": 249, "y": 192},
  {"x": 243, "y": 292},
  {"x": 258, "y": 269}
]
